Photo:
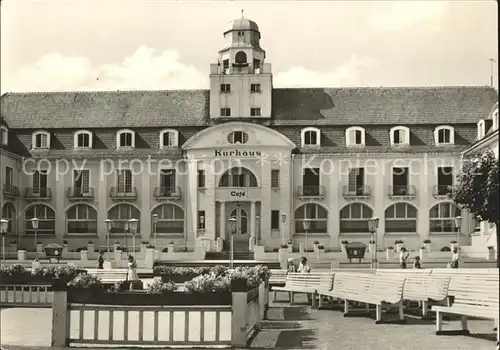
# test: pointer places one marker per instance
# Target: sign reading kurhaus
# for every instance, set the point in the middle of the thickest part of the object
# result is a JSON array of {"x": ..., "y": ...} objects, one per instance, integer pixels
[{"x": 236, "y": 153}]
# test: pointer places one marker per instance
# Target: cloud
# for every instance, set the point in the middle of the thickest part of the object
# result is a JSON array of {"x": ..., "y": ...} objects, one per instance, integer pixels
[
  {"x": 145, "y": 69},
  {"x": 407, "y": 13},
  {"x": 347, "y": 74}
]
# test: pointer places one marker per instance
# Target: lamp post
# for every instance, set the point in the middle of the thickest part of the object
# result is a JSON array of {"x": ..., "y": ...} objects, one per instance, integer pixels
[
  {"x": 373, "y": 226},
  {"x": 4, "y": 224},
  {"x": 202, "y": 222},
  {"x": 109, "y": 226},
  {"x": 232, "y": 226},
  {"x": 257, "y": 229},
  {"x": 34, "y": 224},
  {"x": 155, "y": 222},
  {"x": 132, "y": 225},
  {"x": 283, "y": 220},
  {"x": 458, "y": 225},
  {"x": 307, "y": 225}
]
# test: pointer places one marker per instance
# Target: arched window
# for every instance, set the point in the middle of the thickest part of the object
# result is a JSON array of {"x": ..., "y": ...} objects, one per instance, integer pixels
[
  {"x": 125, "y": 139},
  {"x": 401, "y": 218},
  {"x": 81, "y": 219},
  {"x": 46, "y": 217},
  {"x": 355, "y": 136},
  {"x": 444, "y": 135},
  {"x": 4, "y": 135},
  {"x": 354, "y": 218},
  {"x": 315, "y": 214},
  {"x": 237, "y": 137},
  {"x": 82, "y": 139},
  {"x": 310, "y": 137},
  {"x": 238, "y": 177},
  {"x": 40, "y": 140},
  {"x": 170, "y": 219},
  {"x": 240, "y": 57},
  {"x": 442, "y": 217},
  {"x": 9, "y": 214},
  {"x": 169, "y": 138},
  {"x": 121, "y": 214},
  {"x": 400, "y": 136}
]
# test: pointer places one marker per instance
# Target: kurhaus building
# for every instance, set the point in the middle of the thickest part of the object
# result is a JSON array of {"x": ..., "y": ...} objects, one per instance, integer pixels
[{"x": 241, "y": 157}]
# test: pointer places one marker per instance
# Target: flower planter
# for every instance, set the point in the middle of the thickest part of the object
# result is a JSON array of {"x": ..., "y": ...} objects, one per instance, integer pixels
[
  {"x": 178, "y": 278},
  {"x": 91, "y": 247},
  {"x": 84, "y": 255},
  {"x": 39, "y": 248},
  {"x": 371, "y": 247},
  {"x": 143, "y": 248},
  {"x": 26, "y": 278},
  {"x": 170, "y": 248},
  {"x": 399, "y": 246},
  {"x": 64, "y": 250},
  {"x": 492, "y": 254},
  {"x": 428, "y": 246},
  {"x": 315, "y": 247},
  {"x": 422, "y": 254},
  {"x": 21, "y": 255},
  {"x": 102, "y": 297},
  {"x": 388, "y": 254},
  {"x": 290, "y": 248}
]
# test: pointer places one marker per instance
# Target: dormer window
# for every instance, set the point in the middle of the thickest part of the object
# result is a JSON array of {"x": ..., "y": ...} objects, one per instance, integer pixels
[
  {"x": 83, "y": 139},
  {"x": 4, "y": 135},
  {"x": 310, "y": 137},
  {"x": 355, "y": 136},
  {"x": 481, "y": 129},
  {"x": 444, "y": 135},
  {"x": 125, "y": 139},
  {"x": 169, "y": 138},
  {"x": 237, "y": 137},
  {"x": 41, "y": 140},
  {"x": 494, "y": 117},
  {"x": 400, "y": 136}
]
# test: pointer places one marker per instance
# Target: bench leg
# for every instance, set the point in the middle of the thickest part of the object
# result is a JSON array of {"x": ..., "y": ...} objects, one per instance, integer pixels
[
  {"x": 463, "y": 322},
  {"x": 274, "y": 296},
  {"x": 425, "y": 308},
  {"x": 439, "y": 322},
  {"x": 320, "y": 301},
  {"x": 378, "y": 313},
  {"x": 313, "y": 296},
  {"x": 401, "y": 312},
  {"x": 346, "y": 306},
  {"x": 292, "y": 297}
]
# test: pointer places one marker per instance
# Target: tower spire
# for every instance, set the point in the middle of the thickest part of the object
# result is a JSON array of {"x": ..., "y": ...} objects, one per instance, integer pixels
[{"x": 242, "y": 16}]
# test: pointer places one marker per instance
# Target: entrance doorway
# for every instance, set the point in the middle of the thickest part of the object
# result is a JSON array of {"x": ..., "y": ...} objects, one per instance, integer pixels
[{"x": 241, "y": 229}]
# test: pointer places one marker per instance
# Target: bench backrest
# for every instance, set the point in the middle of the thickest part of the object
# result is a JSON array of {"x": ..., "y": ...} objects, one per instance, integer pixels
[
  {"x": 352, "y": 284},
  {"x": 277, "y": 276},
  {"x": 390, "y": 286},
  {"x": 308, "y": 280},
  {"x": 364, "y": 271},
  {"x": 475, "y": 290},
  {"x": 113, "y": 275},
  {"x": 454, "y": 272},
  {"x": 420, "y": 286},
  {"x": 403, "y": 272}
]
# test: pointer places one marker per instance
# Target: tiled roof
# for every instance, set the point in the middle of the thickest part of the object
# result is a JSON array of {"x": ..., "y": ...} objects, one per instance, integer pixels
[
  {"x": 108, "y": 153},
  {"x": 382, "y": 149},
  {"x": 304, "y": 106}
]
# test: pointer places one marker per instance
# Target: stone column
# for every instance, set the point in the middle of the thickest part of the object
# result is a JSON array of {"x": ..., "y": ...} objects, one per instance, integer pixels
[
  {"x": 191, "y": 200},
  {"x": 222, "y": 226},
  {"x": 265, "y": 217},
  {"x": 101, "y": 192},
  {"x": 423, "y": 195},
  {"x": 380, "y": 194},
  {"x": 252, "y": 219},
  {"x": 210, "y": 205},
  {"x": 144, "y": 193},
  {"x": 286, "y": 198}
]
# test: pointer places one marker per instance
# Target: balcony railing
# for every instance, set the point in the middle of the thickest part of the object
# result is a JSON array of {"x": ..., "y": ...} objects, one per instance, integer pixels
[
  {"x": 442, "y": 191},
  {"x": 402, "y": 191},
  {"x": 123, "y": 193},
  {"x": 38, "y": 193},
  {"x": 311, "y": 192},
  {"x": 167, "y": 193},
  {"x": 80, "y": 194},
  {"x": 357, "y": 193},
  {"x": 10, "y": 191}
]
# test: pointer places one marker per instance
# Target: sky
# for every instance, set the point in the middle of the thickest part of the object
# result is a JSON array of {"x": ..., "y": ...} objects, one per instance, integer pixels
[{"x": 80, "y": 45}]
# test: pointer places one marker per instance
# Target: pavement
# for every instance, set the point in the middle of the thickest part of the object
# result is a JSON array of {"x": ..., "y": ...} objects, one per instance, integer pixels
[{"x": 288, "y": 327}]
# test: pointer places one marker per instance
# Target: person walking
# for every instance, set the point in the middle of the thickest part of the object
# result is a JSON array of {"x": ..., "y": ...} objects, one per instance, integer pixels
[
  {"x": 100, "y": 261},
  {"x": 132, "y": 276},
  {"x": 454, "y": 259},
  {"x": 403, "y": 256}
]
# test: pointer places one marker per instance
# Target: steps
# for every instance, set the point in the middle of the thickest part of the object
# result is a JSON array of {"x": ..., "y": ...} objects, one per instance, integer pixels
[
  {"x": 269, "y": 264},
  {"x": 237, "y": 255}
]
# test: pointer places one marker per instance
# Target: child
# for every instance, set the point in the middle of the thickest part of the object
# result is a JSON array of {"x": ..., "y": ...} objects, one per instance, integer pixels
[
  {"x": 291, "y": 266},
  {"x": 417, "y": 264},
  {"x": 100, "y": 261},
  {"x": 403, "y": 256}
]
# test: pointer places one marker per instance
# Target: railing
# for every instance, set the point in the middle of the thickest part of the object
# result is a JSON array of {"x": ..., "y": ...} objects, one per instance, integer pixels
[
  {"x": 79, "y": 193},
  {"x": 442, "y": 190},
  {"x": 16, "y": 295},
  {"x": 167, "y": 193},
  {"x": 402, "y": 191},
  {"x": 10, "y": 190},
  {"x": 118, "y": 193},
  {"x": 358, "y": 192},
  {"x": 312, "y": 192},
  {"x": 40, "y": 193}
]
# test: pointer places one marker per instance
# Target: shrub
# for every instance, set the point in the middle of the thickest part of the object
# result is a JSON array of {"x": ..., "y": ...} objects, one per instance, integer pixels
[
  {"x": 150, "y": 246},
  {"x": 144, "y": 242},
  {"x": 263, "y": 272},
  {"x": 171, "y": 243},
  {"x": 86, "y": 281},
  {"x": 398, "y": 241},
  {"x": 290, "y": 241},
  {"x": 315, "y": 242},
  {"x": 208, "y": 284},
  {"x": 116, "y": 242},
  {"x": 14, "y": 270},
  {"x": 66, "y": 273},
  {"x": 158, "y": 287},
  {"x": 422, "y": 248},
  {"x": 82, "y": 249},
  {"x": 284, "y": 246},
  {"x": 453, "y": 242},
  {"x": 372, "y": 242},
  {"x": 90, "y": 242},
  {"x": 345, "y": 242},
  {"x": 427, "y": 241},
  {"x": 39, "y": 242},
  {"x": 170, "y": 271},
  {"x": 321, "y": 246},
  {"x": 65, "y": 242},
  {"x": 446, "y": 249},
  {"x": 390, "y": 247}
]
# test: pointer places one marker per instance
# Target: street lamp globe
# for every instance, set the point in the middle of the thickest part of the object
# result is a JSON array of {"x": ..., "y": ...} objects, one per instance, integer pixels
[
  {"x": 155, "y": 219},
  {"x": 34, "y": 223},
  {"x": 109, "y": 224},
  {"x": 373, "y": 224},
  {"x": 132, "y": 225},
  {"x": 306, "y": 224},
  {"x": 283, "y": 217},
  {"x": 458, "y": 222},
  {"x": 202, "y": 219},
  {"x": 4, "y": 225}
]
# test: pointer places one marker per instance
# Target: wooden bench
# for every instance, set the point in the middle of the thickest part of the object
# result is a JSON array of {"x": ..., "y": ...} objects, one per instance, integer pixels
[
  {"x": 306, "y": 283},
  {"x": 381, "y": 291},
  {"x": 109, "y": 276},
  {"x": 426, "y": 289},
  {"x": 277, "y": 277},
  {"x": 472, "y": 296}
]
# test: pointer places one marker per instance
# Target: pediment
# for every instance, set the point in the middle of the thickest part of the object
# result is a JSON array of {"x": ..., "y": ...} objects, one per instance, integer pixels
[{"x": 258, "y": 136}]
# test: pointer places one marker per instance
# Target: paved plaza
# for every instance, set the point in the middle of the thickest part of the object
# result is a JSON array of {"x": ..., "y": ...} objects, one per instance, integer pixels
[{"x": 288, "y": 327}]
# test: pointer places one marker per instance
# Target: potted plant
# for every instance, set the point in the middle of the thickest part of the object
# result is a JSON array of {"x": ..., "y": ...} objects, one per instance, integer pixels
[
  {"x": 290, "y": 246},
  {"x": 282, "y": 254},
  {"x": 399, "y": 244},
  {"x": 342, "y": 246},
  {"x": 389, "y": 252},
  {"x": 144, "y": 244},
  {"x": 116, "y": 245},
  {"x": 453, "y": 244},
  {"x": 91, "y": 246},
  {"x": 84, "y": 253},
  {"x": 170, "y": 247},
  {"x": 39, "y": 247},
  {"x": 427, "y": 244},
  {"x": 422, "y": 252},
  {"x": 491, "y": 253},
  {"x": 65, "y": 247}
]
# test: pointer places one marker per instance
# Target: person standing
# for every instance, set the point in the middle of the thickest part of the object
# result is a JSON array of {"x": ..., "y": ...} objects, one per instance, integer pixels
[
  {"x": 403, "y": 256},
  {"x": 100, "y": 261},
  {"x": 417, "y": 264},
  {"x": 454, "y": 259},
  {"x": 132, "y": 276},
  {"x": 304, "y": 268}
]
